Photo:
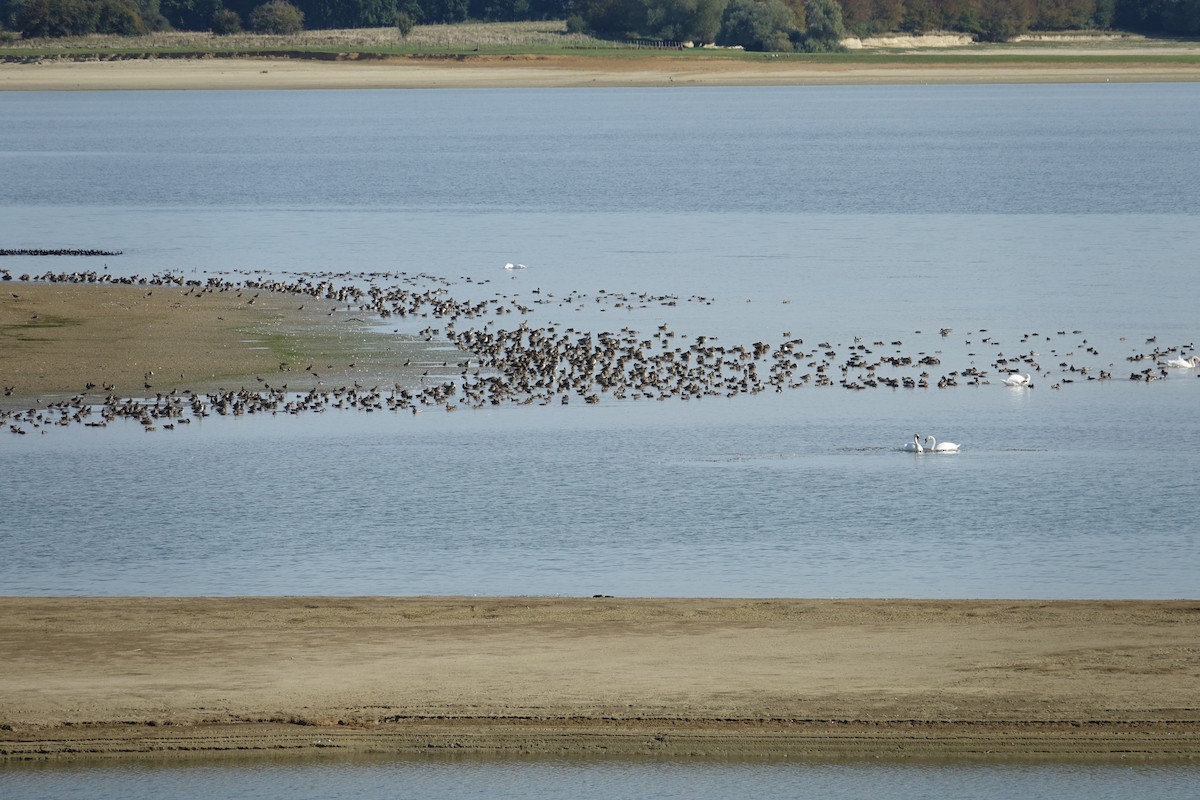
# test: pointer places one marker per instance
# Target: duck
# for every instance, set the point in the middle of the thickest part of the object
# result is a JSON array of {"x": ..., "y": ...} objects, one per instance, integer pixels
[
  {"x": 931, "y": 444},
  {"x": 915, "y": 445}
]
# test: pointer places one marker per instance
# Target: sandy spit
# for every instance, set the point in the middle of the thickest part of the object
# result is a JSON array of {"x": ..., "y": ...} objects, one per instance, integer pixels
[
  {"x": 62, "y": 339},
  {"x": 543, "y": 71},
  {"x": 188, "y": 677}
]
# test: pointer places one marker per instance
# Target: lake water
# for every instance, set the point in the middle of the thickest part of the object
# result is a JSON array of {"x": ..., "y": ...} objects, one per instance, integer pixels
[
  {"x": 828, "y": 213},
  {"x": 461, "y": 779},
  {"x": 825, "y": 213}
]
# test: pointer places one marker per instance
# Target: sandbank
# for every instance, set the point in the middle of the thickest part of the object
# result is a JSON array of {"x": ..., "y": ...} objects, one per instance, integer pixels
[
  {"x": 551, "y": 71},
  {"x": 111, "y": 677},
  {"x": 99, "y": 339}
]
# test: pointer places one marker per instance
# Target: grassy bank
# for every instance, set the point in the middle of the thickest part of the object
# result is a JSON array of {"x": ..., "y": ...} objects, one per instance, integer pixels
[{"x": 550, "y": 38}]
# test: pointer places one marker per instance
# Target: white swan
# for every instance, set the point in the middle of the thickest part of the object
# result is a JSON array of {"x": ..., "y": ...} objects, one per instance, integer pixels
[
  {"x": 1183, "y": 363},
  {"x": 931, "y": 444},
  {"x": 511, "y": 265},
  {"x": 915, "y": 445},
  {"x": 1018, "y": 380}
]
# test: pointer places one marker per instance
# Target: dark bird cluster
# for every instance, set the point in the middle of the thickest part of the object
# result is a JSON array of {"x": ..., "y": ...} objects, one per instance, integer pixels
[{"x": 530, "y": 364}]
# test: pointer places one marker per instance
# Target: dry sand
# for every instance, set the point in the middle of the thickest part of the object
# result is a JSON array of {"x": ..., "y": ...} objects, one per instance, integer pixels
[
  {"x": 987, "y": 679},
  {"x": 550, "y": 71}
]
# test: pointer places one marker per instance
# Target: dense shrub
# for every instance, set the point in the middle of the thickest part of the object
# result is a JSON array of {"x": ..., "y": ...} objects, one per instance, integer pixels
[
  {"x": 38, "y": 18},
  {"x": 500, "y": 10},
  {"x": 56, "y": 18},
  {"x": 120, "y": 17},
  {"x": 277, "y": 17},
  {"x": 152, "y": 16},
  {"x": 757, "y": 25},
  {"x": 349, "y": 13},
  {"x": 610, "y": 17},
  {"x": 404, "y": 23},
  {"x": 1001, "y": 20},
  {"x": 683, "y": 20},
  {"x": 1182, "y": 17},
  {"x": 445, "y": 11},
  {"x": 226, "y": 22},
  {"x": 189, "y": 15},
  {"x": 823, "y": 30}
]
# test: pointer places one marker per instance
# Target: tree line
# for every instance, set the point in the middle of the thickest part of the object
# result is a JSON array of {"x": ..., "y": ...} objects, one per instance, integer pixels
[{"x": 754, "y": 24}]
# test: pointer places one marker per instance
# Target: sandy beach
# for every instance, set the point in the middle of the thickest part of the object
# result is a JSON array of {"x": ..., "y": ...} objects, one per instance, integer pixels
[
  {"x": 85, "y": 677},
  {"x": 549, "y": 71}
]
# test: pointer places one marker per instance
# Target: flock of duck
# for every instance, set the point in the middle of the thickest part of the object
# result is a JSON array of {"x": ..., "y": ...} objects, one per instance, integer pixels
[{"x": 527, "y": 363}]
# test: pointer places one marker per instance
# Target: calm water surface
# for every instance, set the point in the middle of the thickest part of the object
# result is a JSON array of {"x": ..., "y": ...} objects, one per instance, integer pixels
[
  {"x": 829, "y": 212},
  {"x": 607, "y": 780}
]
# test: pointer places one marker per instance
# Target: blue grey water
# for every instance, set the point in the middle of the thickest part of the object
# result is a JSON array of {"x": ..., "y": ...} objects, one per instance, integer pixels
[
  {"x": 462, "y": 779},
  {"x": 830, "y": 212}
]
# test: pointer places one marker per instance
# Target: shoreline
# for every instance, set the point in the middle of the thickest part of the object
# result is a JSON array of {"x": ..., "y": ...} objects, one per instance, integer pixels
[
  {"x": 498, "y": 72},
  {"x": 534, "y": 676}
]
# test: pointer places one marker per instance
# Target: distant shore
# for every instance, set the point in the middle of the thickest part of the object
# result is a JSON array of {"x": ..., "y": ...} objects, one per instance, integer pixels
[
  {"x": 195, "y": 677},
  {"x": 553, "y": 71}
]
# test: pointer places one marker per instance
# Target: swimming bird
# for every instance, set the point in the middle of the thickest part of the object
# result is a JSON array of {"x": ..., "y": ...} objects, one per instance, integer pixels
[
  {"x": 1183, "y": 363},
  {"x": 931, "y": 444},
  {"x": 1018, "y": 380},
  {"x": 915, "y": 445}
]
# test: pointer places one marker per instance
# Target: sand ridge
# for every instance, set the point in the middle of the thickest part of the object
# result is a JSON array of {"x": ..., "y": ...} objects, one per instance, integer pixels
[{"x": 584, "y": 675}]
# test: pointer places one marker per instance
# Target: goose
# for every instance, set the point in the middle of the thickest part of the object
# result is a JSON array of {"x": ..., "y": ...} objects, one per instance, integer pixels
[
  {"x": 1183, "y": 363},
  {"x": 931, "y": 444},
  {"x": 1018, "y": 380},
  {"x": 915, "y": 445}
]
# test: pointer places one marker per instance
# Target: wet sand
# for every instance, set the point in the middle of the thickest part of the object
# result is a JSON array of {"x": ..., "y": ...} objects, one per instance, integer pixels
[
  {"x": 551, "y": 71},
  {"x": 84, "y": 677},
  {"x": 135, "y": 341}
]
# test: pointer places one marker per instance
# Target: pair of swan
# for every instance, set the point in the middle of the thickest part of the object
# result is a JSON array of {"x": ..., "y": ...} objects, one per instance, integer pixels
[
  {"x": 1184, "y": 363},
  {"x": 931, "y": 445},
  {"x": 1019, "y": 381}
]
